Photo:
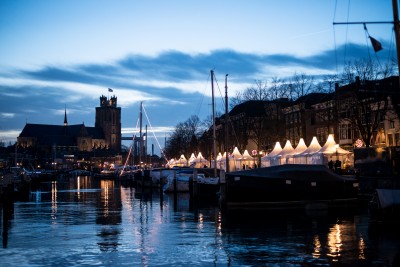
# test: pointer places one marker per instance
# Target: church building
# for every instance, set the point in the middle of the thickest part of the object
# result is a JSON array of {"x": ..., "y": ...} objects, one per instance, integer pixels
[{"x": 105, "y": 135}]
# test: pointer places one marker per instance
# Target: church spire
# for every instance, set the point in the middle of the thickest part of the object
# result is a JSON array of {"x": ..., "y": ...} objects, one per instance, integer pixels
[{"x": 65, "y": 116}]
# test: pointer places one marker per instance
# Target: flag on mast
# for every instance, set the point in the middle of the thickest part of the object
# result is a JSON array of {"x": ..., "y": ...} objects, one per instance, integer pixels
[
  {"x": 110, "y": 90},
  {"x": 376, "y": 44}
]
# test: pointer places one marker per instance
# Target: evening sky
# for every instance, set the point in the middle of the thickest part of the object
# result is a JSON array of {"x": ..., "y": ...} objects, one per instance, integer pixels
[{"x": 67, "y": 53}]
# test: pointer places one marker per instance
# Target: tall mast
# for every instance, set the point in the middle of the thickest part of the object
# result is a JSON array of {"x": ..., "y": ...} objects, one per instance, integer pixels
[
  {"x": 226, "y": 124},
  {"x": 396, "y": 33},
  {"x": 213, "y": 118},
  {"x": 140, "y": 135}
]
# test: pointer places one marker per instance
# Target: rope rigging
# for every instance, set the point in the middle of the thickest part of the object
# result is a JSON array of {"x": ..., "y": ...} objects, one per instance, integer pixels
[
  {"x": 136, "y": 130},
  {"x": 376, "y": 45}
]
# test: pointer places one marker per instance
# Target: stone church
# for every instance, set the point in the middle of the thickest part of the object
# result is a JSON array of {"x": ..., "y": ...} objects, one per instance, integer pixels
[{"x": 105, "y": 135}]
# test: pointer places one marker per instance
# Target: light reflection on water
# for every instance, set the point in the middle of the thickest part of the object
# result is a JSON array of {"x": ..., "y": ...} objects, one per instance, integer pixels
[{"x": 83, "y": 221}]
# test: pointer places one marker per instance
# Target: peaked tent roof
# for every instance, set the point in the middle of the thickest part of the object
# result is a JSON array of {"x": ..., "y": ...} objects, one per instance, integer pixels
[
  {"x": 200, "y": 158},
  {"x": 287, "y": 149},
  {"x": 331, "y": 147},
  {"x": 301, "y": 147},
  {"x": 235, "y": 154},
  {"x": 223, "y": 156},
  {"x": 312, "y": 148},
  {"x": 192, "y": 158},
  {"x": 246, "y": 155},
  {"x": 182, "y": 159},
  {"x": 277, "y": 149}
]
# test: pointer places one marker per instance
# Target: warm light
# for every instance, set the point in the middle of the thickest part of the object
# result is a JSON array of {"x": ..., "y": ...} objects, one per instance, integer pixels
[
  {"x": 317, "y": 247},
  {"x": 54, "y": 201},
  {"x": 335, "y": 242},
  {"x": 361, "y": 246}
]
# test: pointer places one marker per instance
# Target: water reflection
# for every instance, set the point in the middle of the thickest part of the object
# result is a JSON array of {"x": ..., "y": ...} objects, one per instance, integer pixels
[
  {"x": 334, "y": 238},
  {"x": 54, "y": 201},
  {"x": 317, "y": 247},
  {"x": 108, "y": 216},
  {"x": 84, "y": 221}
]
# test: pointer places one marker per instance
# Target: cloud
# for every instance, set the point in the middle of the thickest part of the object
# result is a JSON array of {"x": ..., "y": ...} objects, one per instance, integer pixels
[
  {"x": 173, "y": 85},
  {"x": 6, "y": 115}
]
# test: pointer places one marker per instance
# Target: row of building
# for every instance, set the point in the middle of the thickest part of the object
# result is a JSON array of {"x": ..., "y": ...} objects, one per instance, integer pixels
[{"x": 360, "y": 114}]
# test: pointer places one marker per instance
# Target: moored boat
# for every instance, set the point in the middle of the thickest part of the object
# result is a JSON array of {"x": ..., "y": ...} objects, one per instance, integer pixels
[
  {"x": 183, "y": 178},
  {"x": 106, "y": 174},
  {"x": 290, "y": 186},
  {"x": 384, "y": 206}
]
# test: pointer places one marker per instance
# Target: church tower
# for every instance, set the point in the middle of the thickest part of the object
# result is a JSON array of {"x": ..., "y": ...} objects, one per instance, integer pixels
[
  {"x": 108, "y": 118},
  {"x": 65, "y": 116}
]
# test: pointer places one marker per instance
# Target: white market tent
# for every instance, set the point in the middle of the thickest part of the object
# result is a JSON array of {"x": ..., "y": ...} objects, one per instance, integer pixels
[
  {"x": 182, "y": 161},
  {"x": 280, "y": 158},
  {"x": 301, "y": 147},
  {"x": 200, "y": 161},
  {"x": 265, "y": 161},
  {"x": 171, "y": 162},
  {"x": 305, "y": 156},
  {"x": 221, "y": 161},
  {"x": 191, "y": 161},
  {"x": 234, "y": 160},
  {"x": 247, "y": 160},
  {"x": 330, "y": 148}
]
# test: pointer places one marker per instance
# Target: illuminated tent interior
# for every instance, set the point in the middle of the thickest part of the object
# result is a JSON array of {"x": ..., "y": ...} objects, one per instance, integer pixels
[{"x": 265, "y": 161}]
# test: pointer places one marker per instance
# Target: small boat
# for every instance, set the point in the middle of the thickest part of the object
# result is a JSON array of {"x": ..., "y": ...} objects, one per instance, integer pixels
[
  {"x": 290, "y": 186},
  {"x": 384, "y": 206},
  {"x": 127, "y": 172},
  {"x": 183, "y": 178},
  {"x": 208, "y": 186},
  {"x": 106, "y": 174},
  {"x": 159, "y": 175}
]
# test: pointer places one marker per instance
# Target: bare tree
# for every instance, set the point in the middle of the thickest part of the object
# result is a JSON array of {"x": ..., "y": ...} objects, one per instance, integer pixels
[
  {"x": 366, "y": 102},
  {"x": 259, "y": 92},
  {"x": 184, "y": 138},
  {"x": 301, "y": 84},
  {"x": 236, "y": 100},
  {"x": 277, "y": 89},
  {"x": 328, "y": 83}
]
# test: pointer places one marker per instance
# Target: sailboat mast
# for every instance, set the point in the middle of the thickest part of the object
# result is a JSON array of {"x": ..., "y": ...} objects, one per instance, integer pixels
[
  {"x": 140, "y": 134},
  {"x": 397, "y": 33},
  {"x": 396, "y": 25},
  {"x": 213, "y": 118},
  {"x": 226, "y": 124}
]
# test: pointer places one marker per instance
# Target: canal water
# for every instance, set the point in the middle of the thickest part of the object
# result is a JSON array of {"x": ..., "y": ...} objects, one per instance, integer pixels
[{"x": 82, "y": 221}]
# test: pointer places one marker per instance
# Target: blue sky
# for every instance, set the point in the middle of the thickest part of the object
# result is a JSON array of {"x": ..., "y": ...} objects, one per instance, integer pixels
[{"x": 69, "y": 52}]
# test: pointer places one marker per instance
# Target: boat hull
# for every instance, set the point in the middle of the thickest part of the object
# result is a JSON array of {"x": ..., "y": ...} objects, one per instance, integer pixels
[{"x": 290, "y": 186}]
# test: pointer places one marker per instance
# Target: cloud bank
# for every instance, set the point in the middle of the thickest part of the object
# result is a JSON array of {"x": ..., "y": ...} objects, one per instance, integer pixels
[{"x": 172, "y": 85}]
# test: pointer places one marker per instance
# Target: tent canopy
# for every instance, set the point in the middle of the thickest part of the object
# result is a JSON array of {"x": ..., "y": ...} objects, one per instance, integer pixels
[
  {"x": 331, "y": 147},
  {"x": 287, "y": 149},
  {"x": 312, "y": 148},
  {"x": 235, "y": 154},
  {"x": 277, "y": 149},
  {"x": 301, "y": 147},
  {"x": 246, "y": 155},
  {"x": 192, "y": 158}
]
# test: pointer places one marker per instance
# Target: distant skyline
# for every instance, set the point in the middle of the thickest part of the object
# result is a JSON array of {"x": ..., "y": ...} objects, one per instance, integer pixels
[{"x": 67, "y": 53}]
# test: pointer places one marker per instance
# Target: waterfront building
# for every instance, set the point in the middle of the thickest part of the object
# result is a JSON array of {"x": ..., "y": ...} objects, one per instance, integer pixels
[
  {"x": 308, "y": 116},
  {"x": 253, "y": 125},
  {"x": 368, "y": 111},
  {"x": 359, "y": 114}
]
